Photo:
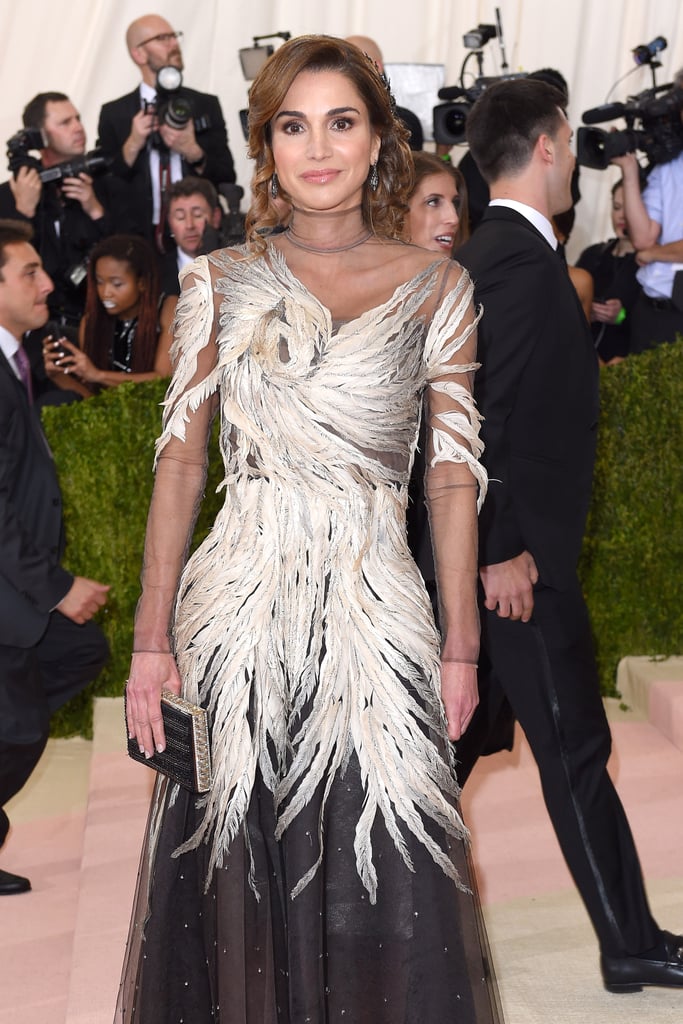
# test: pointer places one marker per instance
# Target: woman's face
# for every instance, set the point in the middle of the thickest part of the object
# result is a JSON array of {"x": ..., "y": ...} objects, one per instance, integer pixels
[
  {"x": 118, "y": 288},
  {"x": 618, "y": 214},
  {"x": 433, "y": 219},
  {"x": 323, "y": 142}
]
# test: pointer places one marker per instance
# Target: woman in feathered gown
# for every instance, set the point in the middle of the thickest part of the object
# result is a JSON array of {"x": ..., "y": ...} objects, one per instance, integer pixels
[{"x": 324, "y": 877}]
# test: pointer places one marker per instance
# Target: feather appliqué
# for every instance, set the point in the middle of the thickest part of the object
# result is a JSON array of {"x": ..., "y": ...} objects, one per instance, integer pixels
[{"x": 302, "y": 622}]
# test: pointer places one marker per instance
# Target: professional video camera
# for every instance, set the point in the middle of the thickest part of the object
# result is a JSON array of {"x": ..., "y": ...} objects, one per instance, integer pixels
[
  {"x": 19, "y": 155},
  {"x": 450, "y": 119},
  {"x": 653, "y": 121},
  {"x": 660, "y": 135}
]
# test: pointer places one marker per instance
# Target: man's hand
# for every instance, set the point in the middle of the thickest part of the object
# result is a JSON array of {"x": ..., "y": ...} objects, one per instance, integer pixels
[
  {"x": 670, "y": 252},
  {"x": 141, "y": 127},
  {"x": 645, "y": 256},
  {"x": 460, "y": 695},
  {"x": 27, "y": 189},
  {"x": 508, "y": 587},
  {"x": 81, "y": 190},
  {"x": 83, "y": 600},
  {"x": 183, "y": 141}
]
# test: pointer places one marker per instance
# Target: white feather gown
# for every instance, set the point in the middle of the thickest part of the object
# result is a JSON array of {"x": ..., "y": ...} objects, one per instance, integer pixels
[{"x": 302, "y": 624}]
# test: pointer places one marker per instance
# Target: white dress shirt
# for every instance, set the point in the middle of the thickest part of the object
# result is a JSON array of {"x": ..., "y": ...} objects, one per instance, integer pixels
[{"x": 539, "y": 220}]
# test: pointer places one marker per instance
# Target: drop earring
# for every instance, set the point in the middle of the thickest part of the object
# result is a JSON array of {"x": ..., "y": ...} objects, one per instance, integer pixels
[
  {"x": 274, "y": 186},
  {"x": 373, "y": 181}
]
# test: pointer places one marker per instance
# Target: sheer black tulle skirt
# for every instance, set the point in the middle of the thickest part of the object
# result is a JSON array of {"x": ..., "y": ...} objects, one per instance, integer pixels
[{"x": 418, "y": 956}]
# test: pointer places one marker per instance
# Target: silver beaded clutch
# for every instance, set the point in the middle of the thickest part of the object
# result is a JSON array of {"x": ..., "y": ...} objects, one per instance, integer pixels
[{"x": 187, "y": 757}]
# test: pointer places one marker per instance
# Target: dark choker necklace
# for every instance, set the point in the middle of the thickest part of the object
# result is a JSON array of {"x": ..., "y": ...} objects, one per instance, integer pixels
[{"x": 322, "y": 252}]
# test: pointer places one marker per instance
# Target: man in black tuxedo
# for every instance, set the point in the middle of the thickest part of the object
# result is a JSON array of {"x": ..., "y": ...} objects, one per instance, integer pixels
[
  {"x": 149, "y": 153},
  {"x": 49, "y": 647},
  {"x": 537, "y": 390}
]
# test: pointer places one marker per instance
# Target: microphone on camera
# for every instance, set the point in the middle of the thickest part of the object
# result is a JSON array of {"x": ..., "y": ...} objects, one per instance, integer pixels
[
  {"x": 606, "y": 112},
  {"x": 451, "y": 92}
]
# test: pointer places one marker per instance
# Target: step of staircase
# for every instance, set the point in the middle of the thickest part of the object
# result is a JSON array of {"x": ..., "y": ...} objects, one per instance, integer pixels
[{"x": 652, "y": 689}]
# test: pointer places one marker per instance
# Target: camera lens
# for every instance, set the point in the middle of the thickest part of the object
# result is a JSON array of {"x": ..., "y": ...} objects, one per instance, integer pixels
[
  {"x": 177, "y": 112},
  {"x": 455, "y": 121}
]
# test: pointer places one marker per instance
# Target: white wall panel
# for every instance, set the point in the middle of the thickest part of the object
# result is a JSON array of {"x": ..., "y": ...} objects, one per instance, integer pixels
[{"x": 79, "y": 48}]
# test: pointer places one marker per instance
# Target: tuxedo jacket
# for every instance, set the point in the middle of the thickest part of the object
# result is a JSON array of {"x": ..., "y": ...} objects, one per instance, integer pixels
[
  {"x": 537, "y": 389},
  {"x": 168, "y": 272},
  {"x": 114, "y": 129},
  {"x": 32, "y": 580}
]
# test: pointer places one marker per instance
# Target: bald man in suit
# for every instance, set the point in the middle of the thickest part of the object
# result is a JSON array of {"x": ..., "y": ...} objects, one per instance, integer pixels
[{"x": 148, "y": 155}]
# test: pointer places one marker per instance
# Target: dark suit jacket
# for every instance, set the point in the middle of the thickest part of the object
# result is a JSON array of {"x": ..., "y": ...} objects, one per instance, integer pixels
[
  {"x": 114, "y": 129},
  {"x": 538, "y": 392},
  {"x": 31, "y": 534}
]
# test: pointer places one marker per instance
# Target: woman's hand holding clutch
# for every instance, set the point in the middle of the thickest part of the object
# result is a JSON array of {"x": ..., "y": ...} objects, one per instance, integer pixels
[{"x": 150, "y": 673}]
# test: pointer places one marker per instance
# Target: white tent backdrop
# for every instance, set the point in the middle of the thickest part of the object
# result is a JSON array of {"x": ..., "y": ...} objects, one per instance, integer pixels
[{"x": 78, "y": 48}]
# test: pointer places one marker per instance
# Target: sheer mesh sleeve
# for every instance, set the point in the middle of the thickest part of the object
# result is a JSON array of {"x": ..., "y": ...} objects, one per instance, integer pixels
[
  {"x": 455, "y": 481},
  {"x": 189, "y": 408}
]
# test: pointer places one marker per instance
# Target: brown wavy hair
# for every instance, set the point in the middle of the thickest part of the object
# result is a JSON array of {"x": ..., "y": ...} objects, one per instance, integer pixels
[
  {"x": 429, "y": 163},
  {"x": 383, "y": 210},
  {"x": 98, "y": 332}
]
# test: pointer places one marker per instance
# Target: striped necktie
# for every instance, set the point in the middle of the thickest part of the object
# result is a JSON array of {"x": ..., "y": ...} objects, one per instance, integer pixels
[{"x": 21, "y": 361}]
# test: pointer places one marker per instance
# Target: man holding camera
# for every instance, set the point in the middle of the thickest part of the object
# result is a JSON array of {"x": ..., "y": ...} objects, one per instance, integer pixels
[
  {"x": 655, "y": 227},
  {"x": 160, "y": 132},
  {"x": 69, "y": 212}
]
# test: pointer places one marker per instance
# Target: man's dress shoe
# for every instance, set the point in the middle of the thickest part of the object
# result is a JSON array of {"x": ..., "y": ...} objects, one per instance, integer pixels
[
  {"x": 11, "y": 884},
  {"x": 630, "y": 973}
]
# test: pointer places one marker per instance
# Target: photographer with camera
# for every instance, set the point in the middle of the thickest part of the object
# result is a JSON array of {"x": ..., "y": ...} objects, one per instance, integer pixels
[
  {"x": 69, "y": 202},
  {"x": 162, "y": 130},
  {"x": 655, "y": 227}
]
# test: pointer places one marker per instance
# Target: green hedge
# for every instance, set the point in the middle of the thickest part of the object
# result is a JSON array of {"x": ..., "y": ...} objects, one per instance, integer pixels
[
  {"x": 632, "y": 560},
  {"x": 104, "y": 450}
]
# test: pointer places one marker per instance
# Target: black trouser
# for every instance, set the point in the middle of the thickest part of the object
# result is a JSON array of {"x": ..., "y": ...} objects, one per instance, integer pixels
[
  {"x": 34, "y": 682},
  {"x": 653, "y": 323},
  {"x": 546, "y": 669}
]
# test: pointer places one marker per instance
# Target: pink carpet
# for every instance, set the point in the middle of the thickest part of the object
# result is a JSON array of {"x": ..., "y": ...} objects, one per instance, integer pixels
[{"x": 62, "y": 944}]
